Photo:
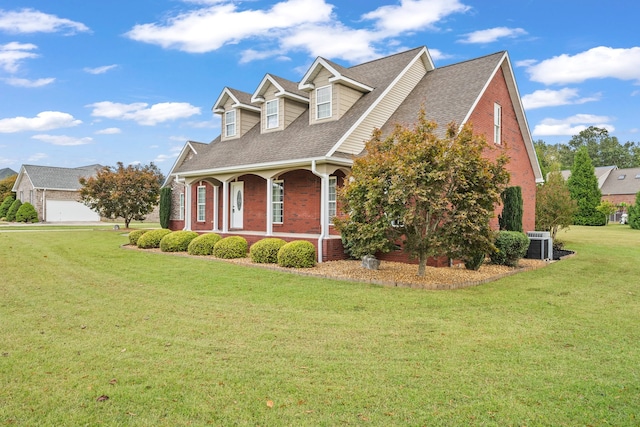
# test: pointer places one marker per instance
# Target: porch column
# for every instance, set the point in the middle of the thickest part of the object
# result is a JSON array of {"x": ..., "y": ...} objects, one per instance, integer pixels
[
  {"x": 187, "y": 207},
  {"x": 216, "y": 211},
  {"x": 225, "y": 206},
  {"x": 269, "y": 230}
]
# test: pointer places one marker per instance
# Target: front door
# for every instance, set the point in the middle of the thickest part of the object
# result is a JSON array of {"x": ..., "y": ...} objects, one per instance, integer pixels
[{"x": 237, "y": 204}]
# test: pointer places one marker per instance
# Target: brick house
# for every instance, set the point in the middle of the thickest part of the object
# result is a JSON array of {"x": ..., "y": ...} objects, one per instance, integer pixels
[
  {"x": 285, "y": 148},
  {"x": 55, "y": 192}
]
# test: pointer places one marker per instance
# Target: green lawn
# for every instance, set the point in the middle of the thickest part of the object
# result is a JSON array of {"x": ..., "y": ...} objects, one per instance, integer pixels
[{"x": 180, "y": 341}]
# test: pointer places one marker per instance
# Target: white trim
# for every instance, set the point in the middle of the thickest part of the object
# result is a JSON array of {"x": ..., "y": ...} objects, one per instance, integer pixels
[
  {"x": 201, "y": 203},
  {"x": 276, "y": 114},
  {"x": 330, "y": 102},
  {"x": 225, "y": 206},
  {"x": 258, "y": 97},
  {"x": 216, "y": 213},
  {"x": 218, "y": 109},
  {"x": 337, "y": 77},
  {"x": 227, "y": 134},
  {"x": 187, "y": 216},
  {"x": 269, "y": 230},
  {"x": 274, "y": 203},
  {"x": 332, "y": 179},
  {"x": 181, "y": 206}
]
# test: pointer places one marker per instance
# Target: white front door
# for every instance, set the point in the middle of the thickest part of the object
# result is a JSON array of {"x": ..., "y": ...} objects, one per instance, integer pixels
[{"x": 237, "y": 204}]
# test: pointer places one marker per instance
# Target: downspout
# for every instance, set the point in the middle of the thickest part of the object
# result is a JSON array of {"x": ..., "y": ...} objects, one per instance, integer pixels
[
  {"x": 44, "y": 205},
  {"x": 324, "y": 178}
]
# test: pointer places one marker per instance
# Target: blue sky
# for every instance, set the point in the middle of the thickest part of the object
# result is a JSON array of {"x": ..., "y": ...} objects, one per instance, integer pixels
[{"x": 84, "y": 82}]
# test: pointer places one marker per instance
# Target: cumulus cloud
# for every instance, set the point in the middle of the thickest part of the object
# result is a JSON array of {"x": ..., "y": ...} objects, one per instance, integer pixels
[
  {"x": 597, "y": 63},
  {"x": 552, "y": 98},
  {"x": 289, "y": 25},
  {"x": 63, "y": 140},
  {"x": 100, "y": 70},
  {"x": 46, "y": 120},
  {"x": 14, "y": 81},
  {"x": 571, "y": 125},
  {"x": 33, "y": 21},
  {"x": 12, "y": 54},
  {"x": 142, "y": 113},
  {"x": 108, "y": 131},
  {"x": 492, "y": 34}
]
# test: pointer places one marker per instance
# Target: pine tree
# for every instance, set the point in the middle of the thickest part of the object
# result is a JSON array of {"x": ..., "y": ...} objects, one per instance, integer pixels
[
  {"x": 583, "y": 187},
  {"x": 511, "y": 218}
]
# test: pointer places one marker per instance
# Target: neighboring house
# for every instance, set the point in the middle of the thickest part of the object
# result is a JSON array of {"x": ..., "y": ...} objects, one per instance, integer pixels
[
  {"x": 6, "y": 173},
  {"x": 55, "y": 192},
  {"x": 286, "y": 148},
  {"x": 602, "y": 173}
]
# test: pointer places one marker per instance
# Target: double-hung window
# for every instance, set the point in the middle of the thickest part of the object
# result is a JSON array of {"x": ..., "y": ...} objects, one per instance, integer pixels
[
  {"x": 181, "y": 213},
  {"x": 201, "y": 201},
  {"x": 272, "y": 114},
  {"x": 323, "y": 102},
  {"x": 332, "y": 198},
  {"x": 277, "y": 201},
  {"x": 497, "y": 123},
  {"x": 230, "y": 123}
]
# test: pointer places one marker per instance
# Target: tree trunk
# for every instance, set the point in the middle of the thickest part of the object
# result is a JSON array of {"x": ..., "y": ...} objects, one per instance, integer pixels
[
  {"x": 422, "y": 263},
  {"x": 126, "y": 222}
]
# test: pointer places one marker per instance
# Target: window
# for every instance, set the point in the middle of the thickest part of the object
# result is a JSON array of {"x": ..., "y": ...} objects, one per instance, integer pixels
[
  {"x": 638, "y": 176},
  {"x": 21, "y": 196},
  {"x": 332, "y": 197},
  {"x": 323, "y": 102},
  {"x": 277, "y": 201},
  {"x": 621, "y": 177},
  {"x": 31, "y": 196},
  {"x": 497, "y": 123},
  {"x": 230, "y": 123},
  {"x": 181, "y": 213},
  {"x": 201, "y": 200},
  {"x": 272, "y": 114}
]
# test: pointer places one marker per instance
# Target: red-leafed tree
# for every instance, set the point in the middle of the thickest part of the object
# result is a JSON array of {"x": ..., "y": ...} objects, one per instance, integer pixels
[
  {"x": 128, "y": 192},
  {"x": 435, "y": 194}
]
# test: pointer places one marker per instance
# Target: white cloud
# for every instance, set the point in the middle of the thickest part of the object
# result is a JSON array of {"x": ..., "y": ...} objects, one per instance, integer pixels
[
  {"x": 36, "y": 157},
  {"x": 34, "y": 21},
  {"x": 493, "y": 34},
  {"x": 413, "y": 15},
  {"x": 14, "y": 81},
  {"x": 141, "y": 113},
  {"x": 552, "y": 98},
  {"x": 45, "y": 120},
  {"x": 192, "y": 31},
  {"x": 100, "y": 70},
  {"x": 108, "y": 131},
  {"x": 13, "y": 53},
  {"x": 163, "y": 158},
  {"x": 571, "y": 125},
  {"x": 63, "y": 140},
  {"x": 597, "y": 63}
]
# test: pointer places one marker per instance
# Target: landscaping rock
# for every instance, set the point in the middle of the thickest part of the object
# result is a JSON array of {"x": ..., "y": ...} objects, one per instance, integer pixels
[{"x": 370, "y": 262}]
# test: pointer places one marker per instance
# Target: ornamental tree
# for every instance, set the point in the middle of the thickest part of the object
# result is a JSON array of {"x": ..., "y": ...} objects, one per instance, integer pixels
[
  {"x": 583, "y": 186},
  {"x": 128, "y": 192},
  {"x": 434, "y": 194},
  {"x": 554, "y": 206}
]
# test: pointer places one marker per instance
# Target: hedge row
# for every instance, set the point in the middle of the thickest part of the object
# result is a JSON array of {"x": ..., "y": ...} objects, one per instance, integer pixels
[{"x": 296, "y": 254}]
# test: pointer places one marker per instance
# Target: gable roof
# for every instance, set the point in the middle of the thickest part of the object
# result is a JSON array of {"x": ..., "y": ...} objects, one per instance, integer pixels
[
  {"x": 7, "y": 172},
  {"x": 286, "y": 88},
  {"x": 240, "y": 100},
  {"x": 55, "y": 178},
  {"x": 622, "y": 181},
  {"x": 601, "y": 172},
  {"x": 347, "y": 76}
]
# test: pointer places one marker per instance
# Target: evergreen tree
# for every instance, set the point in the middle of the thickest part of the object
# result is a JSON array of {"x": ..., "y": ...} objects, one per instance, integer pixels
[
  {"x": 11, "y": 213},
  {"x": 165, "y": 207},
  {"x": 6, "y": 204},
  {"x": 634, "y": 213},
  {"x": 583, "y": 187},
  {"x": 511, "y": 218}
]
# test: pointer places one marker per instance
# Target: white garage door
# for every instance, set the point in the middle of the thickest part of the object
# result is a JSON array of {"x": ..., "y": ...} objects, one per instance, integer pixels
[{"x": 65, "y": 210}]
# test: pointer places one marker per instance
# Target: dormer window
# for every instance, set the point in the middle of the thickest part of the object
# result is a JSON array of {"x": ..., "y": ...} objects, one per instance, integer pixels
[
  {"x": 230, "y": 123},
  {"x": 272, "y": 114},
  {"x": 323, "y": 102}
]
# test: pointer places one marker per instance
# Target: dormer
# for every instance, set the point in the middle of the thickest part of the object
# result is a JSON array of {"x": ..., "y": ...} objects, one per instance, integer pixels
[
  {"x": 332, "y": 90},
  {"x": 281, "y": 102},
  {"x": 237, "y": 112}
]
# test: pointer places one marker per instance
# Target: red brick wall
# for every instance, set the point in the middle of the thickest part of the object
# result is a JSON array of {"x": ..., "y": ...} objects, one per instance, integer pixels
[
  {"x": 255, "y": 203},
  {"x": 301, "y": 203},
  {"x": 629, "y": 199},
  {"x": 207, "y": 224},
  {"x": 512, "y": 141}
]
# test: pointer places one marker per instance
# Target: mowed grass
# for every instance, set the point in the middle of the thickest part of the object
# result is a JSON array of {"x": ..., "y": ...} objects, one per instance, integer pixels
[{"x": 174, "y": 340}]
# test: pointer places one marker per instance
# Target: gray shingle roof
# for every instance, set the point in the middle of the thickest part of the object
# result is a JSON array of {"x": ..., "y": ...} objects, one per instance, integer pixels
[
  {"x": 290, "y": 87},
  {"x": 56, "y": 178},
  {"x": 7, "y": 172},
  {"x": 299, "y": 140},
  {"x": 622, "y": 181}
]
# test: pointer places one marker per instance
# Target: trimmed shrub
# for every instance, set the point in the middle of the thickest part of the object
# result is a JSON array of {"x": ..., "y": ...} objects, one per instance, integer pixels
[
  {"x": 297, "y": 254},
  {"x": 203, "y": 244},
  {"x": 231, "y": 247},
  {"x": 511, "y": 247},
  {"x": 151, "y": 239},
  {"x": 27, "y": 213},
  {"x": 177, "y": 241},
  {"x": 265, "y": 251},
  {"x": 13, "y": 209},
  {"x": 6, "y": 204},
  {"x": 135, "y": 235}
]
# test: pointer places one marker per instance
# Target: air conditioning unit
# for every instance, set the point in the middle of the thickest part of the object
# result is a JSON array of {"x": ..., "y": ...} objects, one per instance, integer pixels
[{"x": 540, "y": 245}]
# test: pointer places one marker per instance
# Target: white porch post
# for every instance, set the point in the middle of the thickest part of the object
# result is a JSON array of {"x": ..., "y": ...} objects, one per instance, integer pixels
[
  {"x": 225, "y": 206},
  {"x": 216, "y": 196},
  {"x": 187, "y": 207},
  {"x": 269, "y": 230}
]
